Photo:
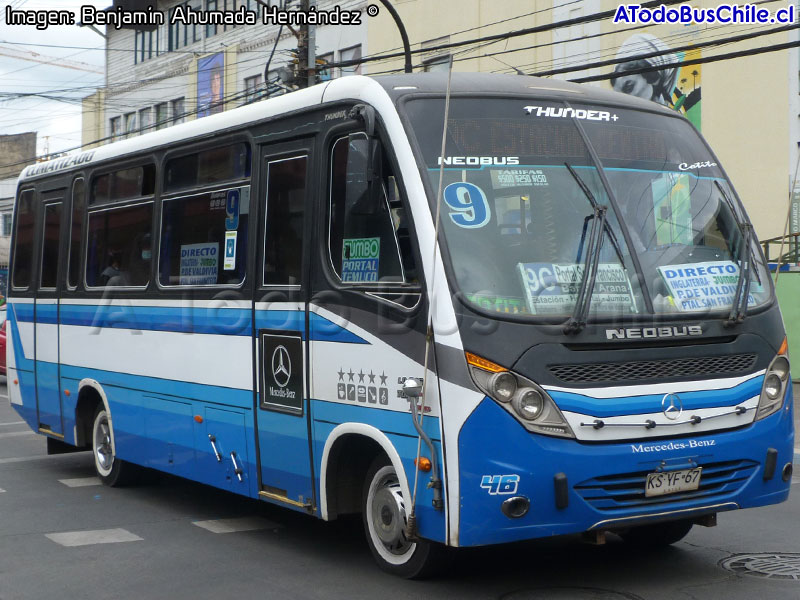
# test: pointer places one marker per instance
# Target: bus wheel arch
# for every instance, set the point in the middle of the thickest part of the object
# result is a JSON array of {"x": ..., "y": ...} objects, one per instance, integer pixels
[
  {"x": 90, "y": 396},
  {"x": 349, "y": 452}
]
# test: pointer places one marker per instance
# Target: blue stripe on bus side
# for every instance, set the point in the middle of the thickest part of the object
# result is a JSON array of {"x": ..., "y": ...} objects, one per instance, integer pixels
[
  {"x": 630, "y": 405},
  {"x": 185, "y": 320}
]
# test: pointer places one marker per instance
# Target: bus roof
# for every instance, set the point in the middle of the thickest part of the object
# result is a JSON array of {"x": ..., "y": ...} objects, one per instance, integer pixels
[{"x": 358, "y": 87}]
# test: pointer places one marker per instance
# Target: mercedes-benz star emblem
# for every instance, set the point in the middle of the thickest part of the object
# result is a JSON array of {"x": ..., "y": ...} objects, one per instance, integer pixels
[
  {"x": 671, "y": 406},
  {"x": 281, "y": 366}
]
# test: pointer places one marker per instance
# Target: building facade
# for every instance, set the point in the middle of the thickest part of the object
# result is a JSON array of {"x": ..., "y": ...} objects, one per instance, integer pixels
[
  {"x": 16, "y": 152},
  {"x": 179, "y": 71}
]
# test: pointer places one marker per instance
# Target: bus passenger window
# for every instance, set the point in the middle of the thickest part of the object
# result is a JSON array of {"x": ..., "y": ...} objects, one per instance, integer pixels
[
  {"x": 119, "y": 250},
  {"x": 195, "y": 231},
  {"x": 23, "y": 241},
  {"x": 123, "y": 184},
  {"x": 48, "y": 274},
  {"x": 208, "y": 167},
  {"x": 78, "y": 208},
  {"x": 283, "y": 243},
  {"x": 369, "y": 238}
]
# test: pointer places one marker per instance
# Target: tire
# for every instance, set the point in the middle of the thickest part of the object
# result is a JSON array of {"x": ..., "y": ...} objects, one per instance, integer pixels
[
  {"x": 384, "y": 516},
  {"x": 111, "y": 470},
  {"x": 658, "y": 535}
]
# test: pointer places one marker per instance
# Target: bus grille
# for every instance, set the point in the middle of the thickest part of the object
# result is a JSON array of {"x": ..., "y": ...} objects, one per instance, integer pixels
[
  {"x": 640, "y": 370},
  {"x": 626, "y": 490}
]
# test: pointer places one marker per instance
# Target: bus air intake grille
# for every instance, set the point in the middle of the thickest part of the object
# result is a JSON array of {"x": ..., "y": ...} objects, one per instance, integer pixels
[
  {"x": 642, "y": 370},
  {"x": 626, "y": 490}
]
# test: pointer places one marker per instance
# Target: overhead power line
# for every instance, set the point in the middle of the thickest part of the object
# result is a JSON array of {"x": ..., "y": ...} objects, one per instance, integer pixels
[
  {"x": 693, "y": 46},
  {"x": 694, "y": 61},
  {"x": 502, "y": 36}
]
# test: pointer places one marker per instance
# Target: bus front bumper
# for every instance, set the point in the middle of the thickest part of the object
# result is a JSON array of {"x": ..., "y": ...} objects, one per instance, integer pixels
[{"x": 574, "y": 487}]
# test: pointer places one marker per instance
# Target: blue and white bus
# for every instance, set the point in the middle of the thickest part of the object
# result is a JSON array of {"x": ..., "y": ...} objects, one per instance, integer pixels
[{"x": 475, "y": 310}]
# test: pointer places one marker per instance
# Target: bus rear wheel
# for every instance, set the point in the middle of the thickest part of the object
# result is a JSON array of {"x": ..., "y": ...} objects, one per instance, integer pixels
[
  {"x": 384, "y": 511},
  {"x": 657, "y": 535},
  {"x": 111, "y": 470}
]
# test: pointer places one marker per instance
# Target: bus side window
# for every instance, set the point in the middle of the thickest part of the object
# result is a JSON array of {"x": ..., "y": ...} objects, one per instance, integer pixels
[
  {"x": 48, "y": 272},
  {"x": 23, "y": 241},
  {"x": 283, "y": 243},
  {"x": 78, "y": 207},
  {"x": 368, "y": 237},
  {"x": 119, "y": 249}
]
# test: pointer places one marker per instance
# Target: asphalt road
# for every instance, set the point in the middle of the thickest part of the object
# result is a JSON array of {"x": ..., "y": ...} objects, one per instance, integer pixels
[{"x": 63, "y": 535}]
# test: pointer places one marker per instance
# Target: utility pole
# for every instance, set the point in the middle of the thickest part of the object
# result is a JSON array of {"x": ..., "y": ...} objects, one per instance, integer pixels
[
  {"x": 312, "y": 49},
  {"x": 302, "y": 49}
]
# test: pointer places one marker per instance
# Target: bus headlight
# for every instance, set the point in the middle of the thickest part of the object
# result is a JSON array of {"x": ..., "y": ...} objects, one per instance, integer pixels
[
  {"x": 503, "y": 385},
  {"x": 774, "y": 388},
  {"x": 527, "y": 402}
]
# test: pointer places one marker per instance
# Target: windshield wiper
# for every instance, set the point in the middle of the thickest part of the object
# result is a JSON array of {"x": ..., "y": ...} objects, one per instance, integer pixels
[
  {"x": 742, "y": 295},
  {"x": 600, "y": 226}
]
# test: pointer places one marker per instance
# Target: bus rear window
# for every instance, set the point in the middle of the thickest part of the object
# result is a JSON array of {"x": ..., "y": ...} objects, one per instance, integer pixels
[
  {"x": 124, "y": 184},
  {"x": 228, "y": 163},
  {"x": 23, "y": 241}
]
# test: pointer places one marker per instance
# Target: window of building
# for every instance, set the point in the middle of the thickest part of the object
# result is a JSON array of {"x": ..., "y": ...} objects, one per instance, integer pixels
[
  {"x": 23, "y": 241},
  {"x": 197, "y": 33},
  {"x": 145, "y": 119},
  {"x": 162, "y": 115},
  {"x": 368, "y": 237},
  {"x": 436, "y": 60},
  {"x": 130, "y": 124},
  {"x": 178, "y": 30},
  {"x": 230, "y": 6},
  {"x": 78, "y": 209},
  {"x": 211, "y": 30},
  {"x": 116, "y": 128},
  {"x": 253, "y": 88},
  {"x": 178, "y": 110},
  {"x": 7, "y": 223},
  {"x": 352, "y": 53},
  {"x": 145, "y": 45},
  {"x": 51, "y": 228},
  {"x": 283, "y": 239}
]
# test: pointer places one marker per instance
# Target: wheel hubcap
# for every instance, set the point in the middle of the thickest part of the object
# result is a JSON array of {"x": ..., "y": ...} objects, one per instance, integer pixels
[
  {"x": 102, "y": 445},
  {"x": 389, "y": 517}
]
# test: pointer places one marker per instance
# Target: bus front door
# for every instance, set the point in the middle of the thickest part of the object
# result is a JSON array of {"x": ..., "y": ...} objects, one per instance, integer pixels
[
  {"x": 48, "y": 393},
  {"x": 280, "y": 344}
]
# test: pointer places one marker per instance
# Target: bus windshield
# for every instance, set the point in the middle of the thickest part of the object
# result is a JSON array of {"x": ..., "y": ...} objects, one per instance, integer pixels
[{"x": 522, "y": 182}]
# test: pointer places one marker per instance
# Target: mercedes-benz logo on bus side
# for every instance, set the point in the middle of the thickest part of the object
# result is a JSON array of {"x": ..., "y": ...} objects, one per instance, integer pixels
[
  {"x": 671, "y": 406},
  {"x": 281, "y": 366}
]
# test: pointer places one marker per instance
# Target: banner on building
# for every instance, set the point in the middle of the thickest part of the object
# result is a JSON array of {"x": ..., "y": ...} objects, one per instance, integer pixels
[{"x": 210, "y": 84}]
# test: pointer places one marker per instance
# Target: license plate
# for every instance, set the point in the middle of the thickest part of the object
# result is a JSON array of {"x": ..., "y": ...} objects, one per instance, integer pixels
[{"x": 672, "y": 482}]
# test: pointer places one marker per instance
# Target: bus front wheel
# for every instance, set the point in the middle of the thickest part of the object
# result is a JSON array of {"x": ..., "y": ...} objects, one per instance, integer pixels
[
  {"x": 111, "y": 470},
  {"x": 657, "y": 535},
  {"x": 385, "y": 514}
]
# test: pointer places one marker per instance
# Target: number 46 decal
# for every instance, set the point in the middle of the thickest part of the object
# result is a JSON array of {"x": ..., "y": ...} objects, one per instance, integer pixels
[
  {"x": 500, "y": 484},
  {"x": 470, "y": 206}
]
